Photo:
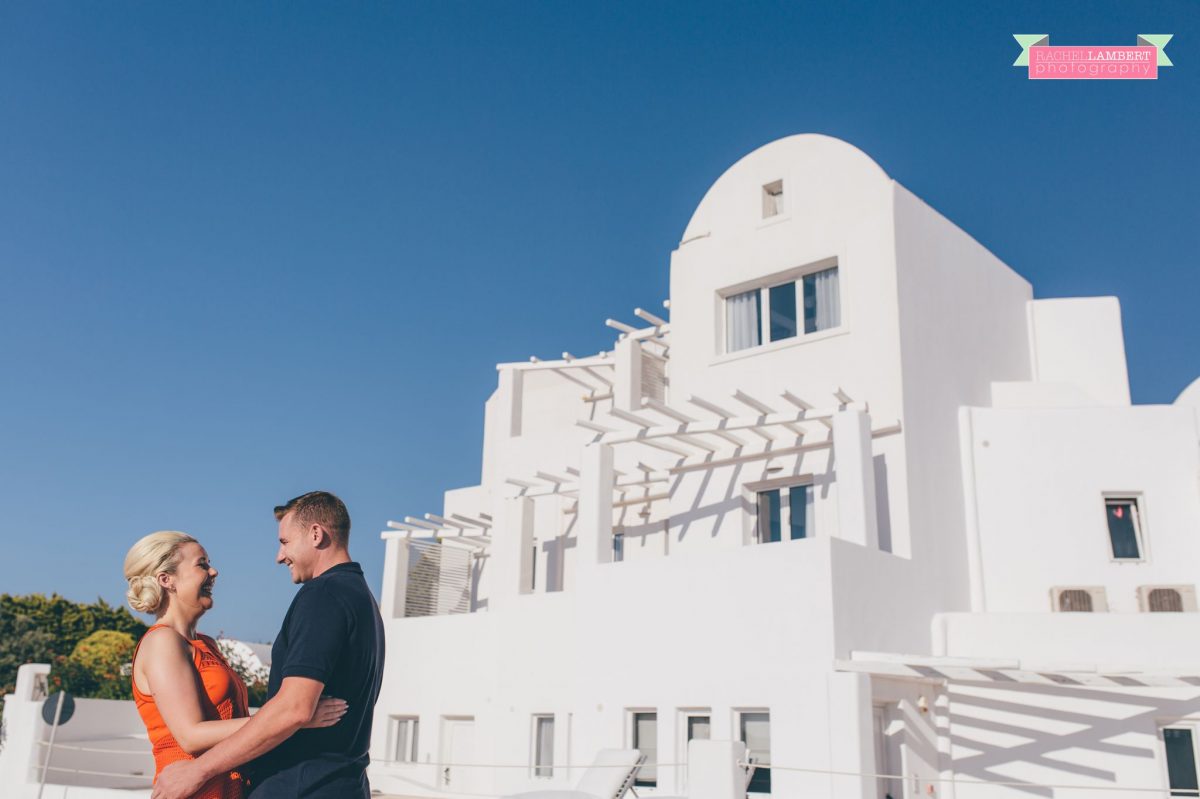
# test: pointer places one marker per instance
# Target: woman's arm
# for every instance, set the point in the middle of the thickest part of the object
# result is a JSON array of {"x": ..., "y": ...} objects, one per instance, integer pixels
[{"x": 166, "y": 660}]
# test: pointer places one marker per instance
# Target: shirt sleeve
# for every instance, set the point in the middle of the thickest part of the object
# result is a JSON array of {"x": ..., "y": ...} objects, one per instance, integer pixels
[{"x": 318, "y": 632}]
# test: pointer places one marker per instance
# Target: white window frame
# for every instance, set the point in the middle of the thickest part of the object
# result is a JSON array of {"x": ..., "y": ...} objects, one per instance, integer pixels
[
  {"x": 681, "y": 737},
  {"x": 1191, "y": 727},
  {"x": 763, "y": 286},
  {"x": 631, "y": 715},
  {"x": 535, "y": 755},
  {"x": 1139, "y": 524},
  {"x": 412, "y": 725},
  {"x": 738, "y": 713},
  {"x": 782, "y": 484}
]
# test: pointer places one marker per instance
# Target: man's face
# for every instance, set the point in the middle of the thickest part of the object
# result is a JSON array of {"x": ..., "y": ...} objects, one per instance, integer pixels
[{"x": 297, "y": 548}]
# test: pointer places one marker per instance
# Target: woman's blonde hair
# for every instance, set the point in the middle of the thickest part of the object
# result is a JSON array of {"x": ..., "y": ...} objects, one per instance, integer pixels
[{"x": 155, "y": 554}]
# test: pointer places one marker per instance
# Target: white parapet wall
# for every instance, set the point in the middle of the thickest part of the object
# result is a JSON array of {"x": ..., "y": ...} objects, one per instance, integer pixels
[{"x": 101, "y": 752}]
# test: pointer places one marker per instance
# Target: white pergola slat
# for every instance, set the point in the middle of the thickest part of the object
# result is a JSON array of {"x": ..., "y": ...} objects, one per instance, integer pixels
[{"x": 985, "y": 671}]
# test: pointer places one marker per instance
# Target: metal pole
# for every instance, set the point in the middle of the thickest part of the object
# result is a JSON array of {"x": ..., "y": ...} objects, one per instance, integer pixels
[{"x": 62, "y": 695}]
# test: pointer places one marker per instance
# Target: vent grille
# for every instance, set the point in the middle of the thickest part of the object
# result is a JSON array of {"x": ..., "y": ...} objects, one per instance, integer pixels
[{"x": 439, "y": 580}]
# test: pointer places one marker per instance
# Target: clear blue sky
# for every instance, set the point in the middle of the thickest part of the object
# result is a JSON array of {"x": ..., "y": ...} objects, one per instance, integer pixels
[{"x": 253, "y": 249}]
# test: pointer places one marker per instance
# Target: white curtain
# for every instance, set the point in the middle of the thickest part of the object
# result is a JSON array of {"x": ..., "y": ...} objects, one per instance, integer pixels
[
  {"x": 742, "y": 327},
  {"x": 828, "y": 310}
]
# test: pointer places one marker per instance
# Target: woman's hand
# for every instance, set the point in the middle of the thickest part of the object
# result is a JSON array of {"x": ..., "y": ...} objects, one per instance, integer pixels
[{"x": 329, "y": 712}]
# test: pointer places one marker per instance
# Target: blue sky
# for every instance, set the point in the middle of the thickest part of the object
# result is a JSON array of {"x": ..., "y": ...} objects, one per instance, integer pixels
[{"x": 252, "y": 249}]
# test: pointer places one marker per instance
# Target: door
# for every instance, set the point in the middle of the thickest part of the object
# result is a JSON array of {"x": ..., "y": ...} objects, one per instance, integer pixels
[{"x": 457, "y": 753}]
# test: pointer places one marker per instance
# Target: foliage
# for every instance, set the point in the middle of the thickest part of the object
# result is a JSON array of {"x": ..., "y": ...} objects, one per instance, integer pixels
[
  {"x": 253, "y": 673},
  {"x": 38, "y": 629},
  {"x": 21, "y": 642}
]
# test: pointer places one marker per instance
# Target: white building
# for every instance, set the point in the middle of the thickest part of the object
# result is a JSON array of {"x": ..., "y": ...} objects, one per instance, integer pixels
[{"x": 844, "y": 506}]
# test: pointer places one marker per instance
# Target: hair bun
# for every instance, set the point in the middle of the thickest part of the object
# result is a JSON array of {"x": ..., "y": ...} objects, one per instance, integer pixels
[{"x": 144, "y": 594}]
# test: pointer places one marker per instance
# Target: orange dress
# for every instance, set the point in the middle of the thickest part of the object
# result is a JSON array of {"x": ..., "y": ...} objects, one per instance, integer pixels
[{"x": 224, "y": 698}]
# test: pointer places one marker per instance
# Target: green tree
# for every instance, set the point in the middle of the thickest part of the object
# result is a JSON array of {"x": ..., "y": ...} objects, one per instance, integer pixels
[
  {"x": 21, "y": 642},
  {"x": 36, "y": 628}
]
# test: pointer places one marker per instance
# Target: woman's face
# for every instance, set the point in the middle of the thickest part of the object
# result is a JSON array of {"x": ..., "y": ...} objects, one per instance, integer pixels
[{"x": 193, "y": 578}]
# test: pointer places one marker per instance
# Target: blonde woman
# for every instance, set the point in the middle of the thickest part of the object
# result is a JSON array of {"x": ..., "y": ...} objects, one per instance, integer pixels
[{"x": 188, "y": 696}]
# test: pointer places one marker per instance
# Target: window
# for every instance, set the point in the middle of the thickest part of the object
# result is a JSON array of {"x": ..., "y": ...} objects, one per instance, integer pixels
[
  {"x": 402, "y": 738},
  {"x": 696, "y": 726},
  {"x": 543, "y": 746},
  {"x": 1180, "y": 751},
  {"x": 772, "y": 199},
  {"x": 783, "y": 310},
  {"x": 754, "y": 729},
  {"x": 788, "y": 508},
  {"x": 782, "y": 301},
  {"x": 645, "y": 740},
  {"x": 618, "y": 547},
  {"x": 1124, "y": 527},
  {"x": 742, "y": 326},
  {"x": 822, "y": 301}
]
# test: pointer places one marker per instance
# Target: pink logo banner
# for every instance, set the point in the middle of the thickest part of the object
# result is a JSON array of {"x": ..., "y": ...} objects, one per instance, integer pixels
[{"x": 1093, "y": 63}]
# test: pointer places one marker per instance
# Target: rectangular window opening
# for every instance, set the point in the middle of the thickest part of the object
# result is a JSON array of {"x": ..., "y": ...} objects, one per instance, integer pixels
[
  {"x": 754, "y": 729},
  {"x": 789, "y": 508},
  {"x": 618, "y": 547},
  {"x": 782, "y": 302},
  {"x": 743, "y": 328},
  {"x": 1124, "y": 527},
  {"x": 645, "y": 740},
  {"x": 543, "y": 746},
  {"x": 822, "y": 301},
  {"x": 772, "y": 199},
  {"x": 1181, "y": 761},
  {"x": 402, "y": 738}
]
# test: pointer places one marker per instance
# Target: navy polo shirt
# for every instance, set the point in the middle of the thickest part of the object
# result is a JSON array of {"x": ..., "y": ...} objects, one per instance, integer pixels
[{"x": 332, "y": 633}]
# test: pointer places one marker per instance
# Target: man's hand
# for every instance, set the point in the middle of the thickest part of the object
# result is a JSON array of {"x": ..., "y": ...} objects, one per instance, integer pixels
[{"x": 179, "y": 780}]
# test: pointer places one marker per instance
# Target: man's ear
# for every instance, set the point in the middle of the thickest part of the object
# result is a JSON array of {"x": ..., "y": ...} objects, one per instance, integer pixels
[{"x": 320, "y": 537}]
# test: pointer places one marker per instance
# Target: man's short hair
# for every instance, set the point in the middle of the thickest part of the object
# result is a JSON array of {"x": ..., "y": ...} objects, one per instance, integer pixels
[{"x": 323, "y": 508}]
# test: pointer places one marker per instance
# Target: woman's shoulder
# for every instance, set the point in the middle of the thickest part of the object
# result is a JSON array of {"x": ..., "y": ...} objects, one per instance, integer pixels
[{"x": 162, "y": 640}]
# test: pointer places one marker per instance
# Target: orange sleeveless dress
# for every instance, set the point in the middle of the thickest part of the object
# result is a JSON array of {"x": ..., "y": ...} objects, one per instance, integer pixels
[{"x": 224, "y": 698}]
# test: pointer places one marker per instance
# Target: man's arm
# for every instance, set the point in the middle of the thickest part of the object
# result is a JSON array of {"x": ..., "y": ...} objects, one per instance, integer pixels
[{"x": 288, "y": 711}]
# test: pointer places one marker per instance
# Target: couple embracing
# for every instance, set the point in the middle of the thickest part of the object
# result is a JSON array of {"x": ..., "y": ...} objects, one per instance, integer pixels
[{"x": 310, "y": 739}]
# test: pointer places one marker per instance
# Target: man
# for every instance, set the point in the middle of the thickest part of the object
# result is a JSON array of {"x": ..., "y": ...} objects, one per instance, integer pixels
[{"x": 331, "y": 643}]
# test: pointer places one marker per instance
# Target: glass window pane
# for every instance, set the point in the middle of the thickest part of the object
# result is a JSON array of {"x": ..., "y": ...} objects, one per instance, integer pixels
[
  {"x": 544, "y": 756},
  {"x": 822, "y": 301},
  {"x": 1121, "y": 528},
  {"x": 699, "y": 728},
  {"x": 645, "y": 740},
  {"x": 800, "y": 511},
  {"x": 1181, "y": 762},
  {"x": 742, "y": 326},
  {"x": 618, "y": 547},
  {"x": 756, "y": 734},
  {"x": 768, "y": 516},
  {"x": 416, "y": 729},
  {"x": 783, "y": 311}
]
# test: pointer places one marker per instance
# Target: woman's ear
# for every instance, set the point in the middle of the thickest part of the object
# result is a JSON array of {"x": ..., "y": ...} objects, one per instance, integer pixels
[{"x": 167, "y": 582}]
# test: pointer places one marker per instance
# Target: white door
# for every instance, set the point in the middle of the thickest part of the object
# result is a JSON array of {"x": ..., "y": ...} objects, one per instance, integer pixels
[{"x": 458, "y": 750}]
